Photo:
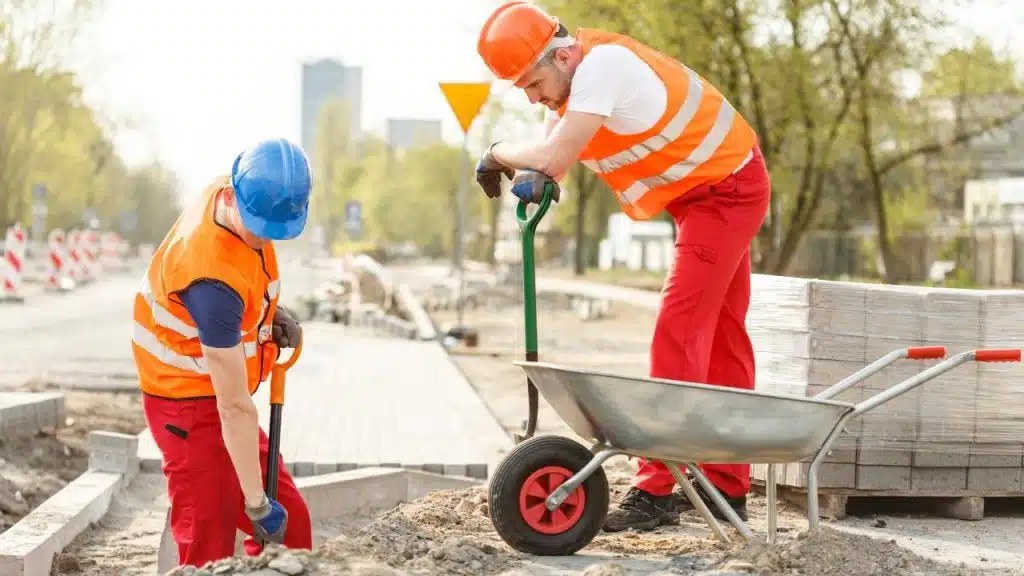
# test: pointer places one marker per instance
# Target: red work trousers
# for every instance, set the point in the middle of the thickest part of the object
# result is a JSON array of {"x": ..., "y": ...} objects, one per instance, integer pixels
[
  {"x": 700, "y": 334},
  {"x": 207, "y": 506}
]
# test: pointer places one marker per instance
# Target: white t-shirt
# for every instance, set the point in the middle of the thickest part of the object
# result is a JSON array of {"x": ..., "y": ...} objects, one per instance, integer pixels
[{"x": 612, "y": 81}]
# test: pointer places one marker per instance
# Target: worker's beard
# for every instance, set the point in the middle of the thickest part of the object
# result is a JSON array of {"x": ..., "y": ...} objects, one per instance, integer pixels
[{"x": 564, "y": 83}]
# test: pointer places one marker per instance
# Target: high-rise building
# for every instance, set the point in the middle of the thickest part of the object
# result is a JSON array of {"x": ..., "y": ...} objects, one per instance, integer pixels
[
  {"x": 325, "y": 79},
  {"x": 405, "y": 133}
]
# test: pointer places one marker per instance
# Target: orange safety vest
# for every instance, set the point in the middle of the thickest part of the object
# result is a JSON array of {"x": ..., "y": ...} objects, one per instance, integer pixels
[
  {"x": 700, "y": 139},
  {"x": 165, "y": 340}
]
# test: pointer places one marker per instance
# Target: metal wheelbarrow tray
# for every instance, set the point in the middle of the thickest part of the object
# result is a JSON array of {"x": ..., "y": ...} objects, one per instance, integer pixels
[{"x": 549, "y": 495}]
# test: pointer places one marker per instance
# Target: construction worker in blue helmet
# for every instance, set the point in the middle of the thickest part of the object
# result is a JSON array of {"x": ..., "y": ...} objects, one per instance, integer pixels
[{"x": 208, "y": 329}]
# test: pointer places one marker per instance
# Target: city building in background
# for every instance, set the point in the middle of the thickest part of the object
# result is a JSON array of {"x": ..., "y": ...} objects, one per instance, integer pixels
[{"x": 325, "y": 79}]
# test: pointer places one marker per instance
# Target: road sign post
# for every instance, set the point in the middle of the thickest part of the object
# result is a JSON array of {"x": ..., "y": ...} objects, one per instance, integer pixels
[
  {"x": 39, "y": 213},
  {"x": 466, "y": 99},
  {"x": 354, "y": 219}
]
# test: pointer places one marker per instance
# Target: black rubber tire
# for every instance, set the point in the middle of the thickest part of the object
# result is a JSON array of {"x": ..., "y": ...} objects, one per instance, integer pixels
[{"x": 525, "y": 459}]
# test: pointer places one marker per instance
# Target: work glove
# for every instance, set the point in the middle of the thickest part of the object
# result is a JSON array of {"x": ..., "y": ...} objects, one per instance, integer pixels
[
  {"x": 489, "y": 171},
  {"x": 285, "y": 331},
  {"x": 269, "y": 520},
  {"x": 528, "y": 186}
]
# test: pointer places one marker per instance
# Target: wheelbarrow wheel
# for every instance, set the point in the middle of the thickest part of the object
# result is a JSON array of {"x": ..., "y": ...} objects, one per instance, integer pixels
[{"x": 522, "y": 481}]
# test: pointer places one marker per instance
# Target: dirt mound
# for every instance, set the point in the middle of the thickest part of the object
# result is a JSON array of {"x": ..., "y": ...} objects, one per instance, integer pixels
[{"x": 829, "y": 552}]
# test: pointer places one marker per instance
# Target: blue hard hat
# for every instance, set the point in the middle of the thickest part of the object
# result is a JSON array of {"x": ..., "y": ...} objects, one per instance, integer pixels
[{"x": 272, "y": 181}]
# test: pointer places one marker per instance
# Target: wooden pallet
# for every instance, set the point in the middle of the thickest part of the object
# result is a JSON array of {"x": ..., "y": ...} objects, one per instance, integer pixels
[{"x": 837, "y": 503}]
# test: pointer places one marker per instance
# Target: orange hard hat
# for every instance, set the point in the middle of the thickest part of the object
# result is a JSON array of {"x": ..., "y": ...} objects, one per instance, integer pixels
[{"x": 514, "y": 37}]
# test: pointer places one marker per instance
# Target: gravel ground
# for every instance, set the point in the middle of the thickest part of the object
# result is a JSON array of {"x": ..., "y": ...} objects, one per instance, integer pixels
[{"x": 448, "y": 532}]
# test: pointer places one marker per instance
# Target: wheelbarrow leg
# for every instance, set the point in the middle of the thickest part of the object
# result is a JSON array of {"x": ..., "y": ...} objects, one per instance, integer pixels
[
  {"x": 720, "y": 502},
  {"x": 770, "y": 492},
  {"x": 699, "y": 504},
  {"x": 556, "y": 498}
]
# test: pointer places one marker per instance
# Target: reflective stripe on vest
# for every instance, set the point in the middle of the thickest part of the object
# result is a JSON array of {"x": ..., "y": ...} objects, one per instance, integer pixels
[
  {"x": 165, "y": 319},
  {"x": 703, "y": 141}
]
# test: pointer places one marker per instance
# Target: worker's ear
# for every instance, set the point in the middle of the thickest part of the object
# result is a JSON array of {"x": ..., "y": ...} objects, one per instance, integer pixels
[{"x": 228, "y": 196}]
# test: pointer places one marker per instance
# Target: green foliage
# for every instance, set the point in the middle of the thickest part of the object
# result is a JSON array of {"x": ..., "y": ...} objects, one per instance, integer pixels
[{"x": 49, "y": 136}]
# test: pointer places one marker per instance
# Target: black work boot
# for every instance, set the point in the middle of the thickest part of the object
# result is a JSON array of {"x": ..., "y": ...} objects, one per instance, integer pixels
[
  {"x": 682, "y": 503},
  {"x": 641, "y": 510}
]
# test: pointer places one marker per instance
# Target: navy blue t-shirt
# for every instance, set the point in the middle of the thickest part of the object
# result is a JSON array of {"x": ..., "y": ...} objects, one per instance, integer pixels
[{"x": 216, "y": 310}]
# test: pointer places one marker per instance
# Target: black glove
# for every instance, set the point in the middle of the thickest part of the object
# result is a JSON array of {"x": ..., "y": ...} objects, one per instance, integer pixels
[
  {"x": 489, "y": 171},
  {"x": 286, "y": 331},
  {"x": 528, "y": 186}
]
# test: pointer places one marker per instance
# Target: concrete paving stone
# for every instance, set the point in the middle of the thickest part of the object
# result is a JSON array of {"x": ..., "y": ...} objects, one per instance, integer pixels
[
  {"x": 941, "y": 455},
  {"x": 830, "y": 475},
  {"x": 995, "y": 479},
  {"x": 361, "y": 401},
  {"x": 996, "y": 455},
  {"x": 938, "y": 479},
  {"x": 883, "y": 478},
  {"x": 29, "y": 546}
]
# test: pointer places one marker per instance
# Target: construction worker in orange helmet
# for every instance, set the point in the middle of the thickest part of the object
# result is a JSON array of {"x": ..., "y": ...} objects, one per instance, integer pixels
[
  {"x": 208, "y": 329},
  {"x": 662, "y": 138}
]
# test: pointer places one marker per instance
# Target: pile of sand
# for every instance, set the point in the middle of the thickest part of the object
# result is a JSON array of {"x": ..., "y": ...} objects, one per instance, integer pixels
[{"x": 448, "y": 532}]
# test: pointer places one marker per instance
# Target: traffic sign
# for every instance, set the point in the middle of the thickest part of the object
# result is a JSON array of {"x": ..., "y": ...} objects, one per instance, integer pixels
[
  {"x": 39, "y": 191},
  {"x": 466, "y": 99}
]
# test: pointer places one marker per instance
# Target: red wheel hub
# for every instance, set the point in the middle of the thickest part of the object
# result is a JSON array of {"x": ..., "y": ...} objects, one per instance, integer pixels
[{"x": 535, "y": 490}]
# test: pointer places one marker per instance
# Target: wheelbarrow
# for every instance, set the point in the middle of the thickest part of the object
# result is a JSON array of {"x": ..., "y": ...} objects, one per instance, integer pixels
[{"x": 549, "y": 494}]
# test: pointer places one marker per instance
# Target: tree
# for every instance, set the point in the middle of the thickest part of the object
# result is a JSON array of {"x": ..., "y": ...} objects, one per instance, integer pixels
[{"x": 819, "y": 80}]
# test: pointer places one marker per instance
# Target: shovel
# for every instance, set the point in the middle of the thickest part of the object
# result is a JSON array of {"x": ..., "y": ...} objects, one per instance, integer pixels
[{"x": 277, "y": 377}]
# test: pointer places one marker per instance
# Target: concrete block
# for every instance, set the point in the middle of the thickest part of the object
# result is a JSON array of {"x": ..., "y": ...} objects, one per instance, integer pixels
[
  {"x": 456, "y": 470},
  {"x": 113, "y": 452},
  {"x": 996, "y": 455},
  {"x": 303, "y": 469},
  {"x": 938, "y": 479},
  {"x": 434, "y": 468},
  {"x": 883, "y": 477},
  {"x": 941, "y": 455},
  {"x": 830, "y": 475},
  {"x": 324, "y": 468},
  {"x": 969, "y": 508},
  {"x": 28, "y": 547},
  {"x": 364, "y": 490},
  {"x": 422, "y": 483},
  {"x": 995, "y": 479},
  {"x": 884, "y": 453},
  {"x": 477, "y": 471}
]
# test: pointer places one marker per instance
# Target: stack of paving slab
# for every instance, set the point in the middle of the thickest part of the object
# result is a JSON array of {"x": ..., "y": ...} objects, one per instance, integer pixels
[{"x": 961, "y": 433}]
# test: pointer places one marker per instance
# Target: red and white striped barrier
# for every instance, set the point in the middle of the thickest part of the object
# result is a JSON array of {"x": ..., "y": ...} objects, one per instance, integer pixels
[
  {"x": 57, "y": 276},
  {"x": 13, "y": 266},
  {"x": 112, "y": 251}
]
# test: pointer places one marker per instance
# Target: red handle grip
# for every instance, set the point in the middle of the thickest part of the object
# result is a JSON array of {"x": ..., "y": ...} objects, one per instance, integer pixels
[
  {"x": 998, "y": 355},
  {"x": 926, "y": 352}
]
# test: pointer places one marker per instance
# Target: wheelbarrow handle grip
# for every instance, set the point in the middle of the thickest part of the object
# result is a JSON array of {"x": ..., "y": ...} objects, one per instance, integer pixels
[
  {"x": 926, "y": 352},
  {"x": 277, "y": 374},
  {"x": 998, "y": 355}
]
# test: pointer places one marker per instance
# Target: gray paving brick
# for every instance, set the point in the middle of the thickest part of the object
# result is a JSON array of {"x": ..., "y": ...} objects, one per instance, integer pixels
[
  {"x": 883, "y": 477},
  {"x": 371, "y": 401},
  {"x": 996, "y": 455},
  {"x": 995, "y": 479},
  {"x": 941, "y": 455},
  {"x": 937, "y": 479}
]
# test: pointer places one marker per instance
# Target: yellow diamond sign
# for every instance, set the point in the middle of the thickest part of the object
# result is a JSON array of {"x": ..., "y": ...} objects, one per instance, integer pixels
[{"x": 466, "y": 99}]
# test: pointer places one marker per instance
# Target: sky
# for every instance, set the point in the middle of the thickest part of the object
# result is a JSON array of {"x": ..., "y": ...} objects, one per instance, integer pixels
[{"x": 204, "y": 79}]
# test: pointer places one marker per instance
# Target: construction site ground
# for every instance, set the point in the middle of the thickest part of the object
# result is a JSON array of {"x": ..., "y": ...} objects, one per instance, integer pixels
[{"x": 446, "y": 532}]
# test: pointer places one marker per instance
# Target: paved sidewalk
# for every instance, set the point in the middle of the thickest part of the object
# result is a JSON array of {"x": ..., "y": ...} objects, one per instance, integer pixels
[{"x": 354, "y": 400}]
